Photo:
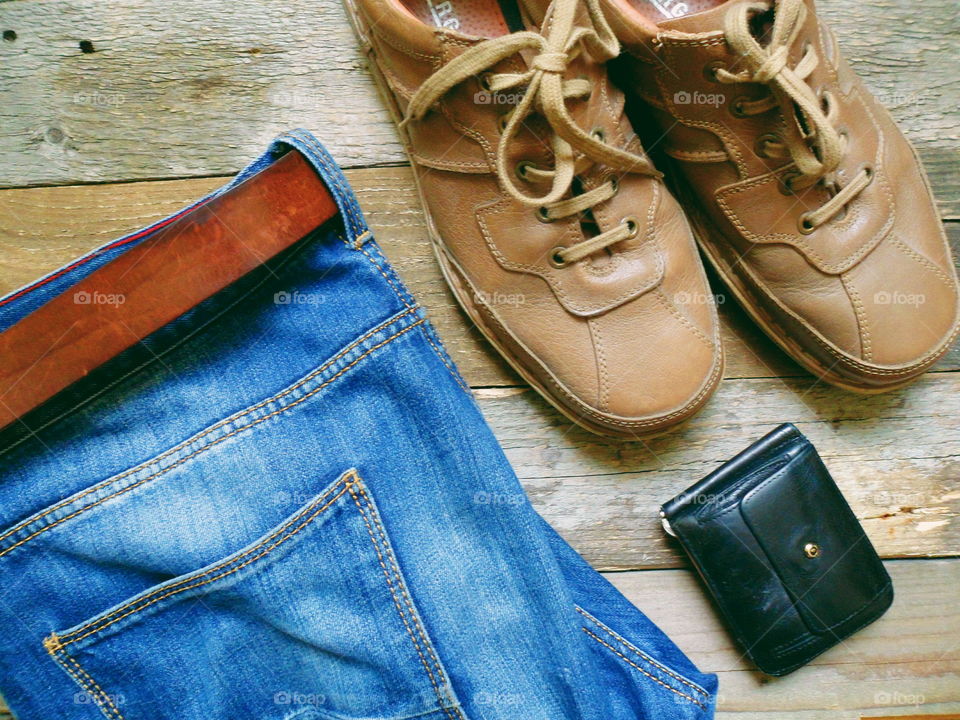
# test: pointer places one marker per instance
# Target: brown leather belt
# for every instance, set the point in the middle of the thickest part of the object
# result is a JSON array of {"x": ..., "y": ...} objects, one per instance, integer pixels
[{"x": 189, "y": 259}]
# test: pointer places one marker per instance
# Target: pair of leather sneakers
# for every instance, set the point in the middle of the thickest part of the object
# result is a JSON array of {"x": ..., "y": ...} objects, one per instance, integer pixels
[{"x": 563, "y": 244}]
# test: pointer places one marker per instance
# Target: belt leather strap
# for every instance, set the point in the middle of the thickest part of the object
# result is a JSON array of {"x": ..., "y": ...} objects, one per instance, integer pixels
[{"x": 177, "y": 267}]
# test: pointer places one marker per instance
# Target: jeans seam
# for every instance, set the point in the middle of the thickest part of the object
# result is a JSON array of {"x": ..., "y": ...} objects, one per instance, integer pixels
[
  {"x": 280, "y": 535},
  {"x": 156, "y": 357},
  {"x": 89, "y": 685},
  {"x": 447, "y": 363},
  {"x": 201, "y": 449},
  {"x": 360, "y": 240},
  {"x": 642, "y": 655},
  {"x": 657, "y": 680},
  {"x": 451, "y": 710},
  {"x": 335, "y": 176},
  {"x": 212, "y": 428},
  {"x": 56, "y": 645}
]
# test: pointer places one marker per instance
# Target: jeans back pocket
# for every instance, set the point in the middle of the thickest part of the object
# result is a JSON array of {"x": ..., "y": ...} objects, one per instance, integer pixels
[{"x": 313, "y": 619}]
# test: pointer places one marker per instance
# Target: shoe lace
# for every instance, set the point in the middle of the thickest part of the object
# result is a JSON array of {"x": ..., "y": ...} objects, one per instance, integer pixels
[
  {"x": 812, "y": 141},
  {"x": 545, "y": 89}
]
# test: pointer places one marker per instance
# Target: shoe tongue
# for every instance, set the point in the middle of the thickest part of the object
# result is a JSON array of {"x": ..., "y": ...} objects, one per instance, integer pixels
[{"x": 701, "y": 22}]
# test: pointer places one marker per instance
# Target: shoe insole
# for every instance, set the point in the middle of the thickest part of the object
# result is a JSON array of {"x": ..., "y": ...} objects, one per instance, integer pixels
[
  {"x": 480, "y": 18},
  {"x": 658, "y": 10}
]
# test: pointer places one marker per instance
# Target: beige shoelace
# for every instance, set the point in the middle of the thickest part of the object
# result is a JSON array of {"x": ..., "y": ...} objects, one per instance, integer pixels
[
  {"x": 817, "y": 150},
  {"x": 546, "y": 91}
]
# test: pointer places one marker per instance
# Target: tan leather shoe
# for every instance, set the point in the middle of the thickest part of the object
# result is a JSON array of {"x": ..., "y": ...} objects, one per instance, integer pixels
[
  {"x": 806, "y": 198},
  {"x": 556, "y": 235}
]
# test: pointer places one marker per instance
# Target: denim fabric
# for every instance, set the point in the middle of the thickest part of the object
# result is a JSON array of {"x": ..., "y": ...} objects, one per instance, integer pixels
[{"x": 286, "y": 504}]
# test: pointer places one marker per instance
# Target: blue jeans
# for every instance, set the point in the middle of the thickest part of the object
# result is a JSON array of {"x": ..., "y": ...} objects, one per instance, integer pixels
[{"x": 286, "y": 504}]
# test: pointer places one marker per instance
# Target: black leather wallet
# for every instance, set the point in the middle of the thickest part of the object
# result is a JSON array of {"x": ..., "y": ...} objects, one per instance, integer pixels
[{"x": 780, "y": 551}]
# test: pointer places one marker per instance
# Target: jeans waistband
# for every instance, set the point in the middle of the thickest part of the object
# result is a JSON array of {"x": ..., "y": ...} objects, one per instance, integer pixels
[
  {"x": 19, "y": 303},
  {"x": 336, "y": 279}
]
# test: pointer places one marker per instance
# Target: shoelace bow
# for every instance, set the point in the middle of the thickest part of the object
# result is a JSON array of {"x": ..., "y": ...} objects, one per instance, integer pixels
[
  {"x": 546, "y": 91},
  {"x": 769, "y": 65}
]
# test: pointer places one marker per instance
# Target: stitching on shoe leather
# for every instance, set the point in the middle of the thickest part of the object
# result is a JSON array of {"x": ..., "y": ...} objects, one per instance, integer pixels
[{"x": 865, "y": 346}]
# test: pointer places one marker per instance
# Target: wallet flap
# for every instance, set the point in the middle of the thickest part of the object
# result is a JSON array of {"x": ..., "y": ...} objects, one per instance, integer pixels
[{"x": 814, "y": 543}]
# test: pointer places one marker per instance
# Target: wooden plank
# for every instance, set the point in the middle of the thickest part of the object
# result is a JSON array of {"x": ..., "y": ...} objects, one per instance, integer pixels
[
  {"x": 199, "y": 91},
  {"x": 895, "y": 457},
  {"x": 42, "y": 228},
  {"x": 905, "y": 664}
]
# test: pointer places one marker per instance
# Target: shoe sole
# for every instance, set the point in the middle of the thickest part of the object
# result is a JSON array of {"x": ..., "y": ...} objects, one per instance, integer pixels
[{"x": 459, "y": 286}]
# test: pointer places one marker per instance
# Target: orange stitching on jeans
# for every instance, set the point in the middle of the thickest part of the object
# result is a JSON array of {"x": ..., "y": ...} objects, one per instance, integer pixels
[
  {"x": 623, "y": 641},
  {"x": 212, "y": 428},
  {"x": 440, "y": 354},
  {"x": 403, "y": 591},
  {"x": 396, "y": 572},
  {"x": 174, "y": 590},
  {"x": 393, "y": 593},
  {"x": 90, "y": 627},
  {"x": 217, "y": 441},
  {"x": 385, "y": 276},
  {"x": 96, "y": 692},
  {"x": 652, "y": 677}
]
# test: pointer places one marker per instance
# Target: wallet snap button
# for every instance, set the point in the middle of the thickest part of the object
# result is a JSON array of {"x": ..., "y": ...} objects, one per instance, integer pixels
[{"x": 811, "y": 550}]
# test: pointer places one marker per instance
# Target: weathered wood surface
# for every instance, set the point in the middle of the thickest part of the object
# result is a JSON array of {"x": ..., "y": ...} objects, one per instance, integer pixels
[
  {"x": 199, "y": 91},
  {"x": 42, "y": 228},
  {"x": 896, "y": 456},
  {"x": 906, "y": 664}
]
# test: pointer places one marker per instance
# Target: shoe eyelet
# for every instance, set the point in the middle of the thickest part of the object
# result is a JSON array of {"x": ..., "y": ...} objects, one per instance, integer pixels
[
  {"x": 614, "y": 183},
  {"x": 736, "y": 107},
  {"x": 826, "y": 100},
  {"x": 521, "y": 169},
  {"x": 786, "y": 182},
  {"x": 710, "y": 70},
  {"x": 760, "y": 146},
  {"x": 804, "y": 225},
  {"x": 598, "y": 133},
  {"x": 556, "y": 257},
  {"x": 632, "y": 225},
  {"x": 502, "y": 123},
  {"x": 484, "y": 81},
  {"x": 868, "y": 169},
  {"x": 543, "y": 215}
]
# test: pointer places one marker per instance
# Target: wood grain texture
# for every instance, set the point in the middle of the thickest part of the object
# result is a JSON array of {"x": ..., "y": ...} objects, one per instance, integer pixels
[
  {"x": 199, "y": 91},
  {"x": 905, "y": 664},
  {"x": 894, "y": 457},
  {"x": 42, "y": 228}
]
